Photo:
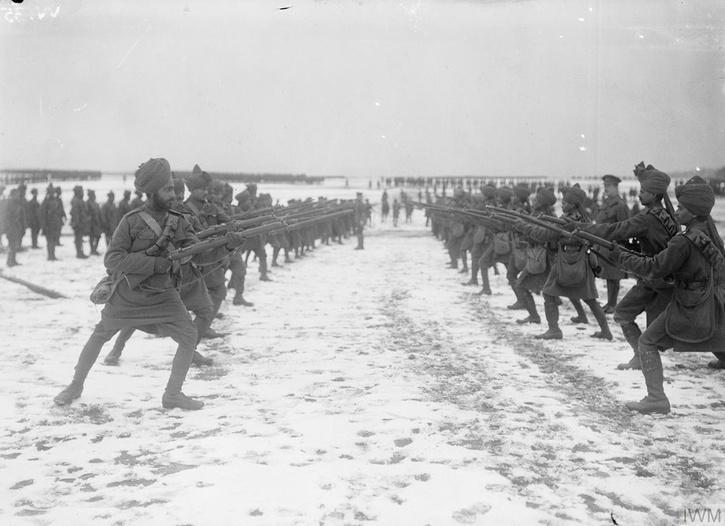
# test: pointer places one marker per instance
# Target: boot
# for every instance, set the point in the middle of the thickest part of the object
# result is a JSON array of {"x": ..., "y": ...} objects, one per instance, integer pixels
[
  {"x": 655, "y": 401},
  {"x": 581, "y": 316},
  {"x": 631, "y": 333},
  {"x": 200, "y": 360},
  {"x": 173, "y": 397},
  {"x": 264, "y": 277},
  {"x": 471, "y": 281},
  {"x": 485, "y": 285},
  {"x": 718, "y": 362},
  {"x": 239, "y": 300},
  {"x": 604, "y": 333},
  {"x": 612, "y": 293},
  {"x": 528, "y": 300},
  {"x": 70, "y": 393},
  {"x": 551, "y": 311},
  {"x": 210, "y": 334}
]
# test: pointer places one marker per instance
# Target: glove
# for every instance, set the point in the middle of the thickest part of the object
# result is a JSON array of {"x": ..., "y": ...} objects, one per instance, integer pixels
[
  {"x": 161, "y": 265},
  {"x": 234, "y": 239}
]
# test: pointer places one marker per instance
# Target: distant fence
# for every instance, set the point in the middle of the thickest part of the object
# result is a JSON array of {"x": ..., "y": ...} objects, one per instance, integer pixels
[{"x": 42, "y": 176}]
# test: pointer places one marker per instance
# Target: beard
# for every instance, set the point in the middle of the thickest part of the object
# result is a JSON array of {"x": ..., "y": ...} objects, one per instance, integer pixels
[{"x": 160, "y": 203}]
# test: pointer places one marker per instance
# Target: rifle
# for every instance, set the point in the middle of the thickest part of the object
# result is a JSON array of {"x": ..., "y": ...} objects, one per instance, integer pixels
[
  {"x": 233, "y": 226},
  {"x": 521, "y": 215},
  {"x": 219, "y": 241},
  {"x": 470, "y": 215},
  {"x": 579, "y": 234}
]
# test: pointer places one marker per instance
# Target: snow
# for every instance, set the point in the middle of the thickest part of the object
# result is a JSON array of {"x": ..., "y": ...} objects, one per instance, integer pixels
[{"x": 363, "y": 387}]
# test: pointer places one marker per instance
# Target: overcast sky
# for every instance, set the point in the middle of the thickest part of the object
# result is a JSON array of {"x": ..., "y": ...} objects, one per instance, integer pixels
[{"x": 364, "y": 88}]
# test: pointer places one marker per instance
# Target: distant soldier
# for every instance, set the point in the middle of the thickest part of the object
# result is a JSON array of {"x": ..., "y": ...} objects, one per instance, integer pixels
[
  {"x": 52, "y": 217},
  {"x": 396, "y": 212},
  {"x": 360, "y": 212},
  {"x": 3, "y": 210},
  {"x": 124, "y": 205},
  {"x": 95, "y": 222},
  {"x": 32, "y": 212},
  {"x": 385, "y": 208},
  {"x": 22, "y": 190},
  {"x": 612, "y": 210},
  {"x": 109, "y": 217},
  {"x": 145, "y": 297},
  {"x": 409, "y": 211},
  {"x": 14, "y": 225},
  {"x": 79, "y": 220},
  {"x": 58, "y": 192}
]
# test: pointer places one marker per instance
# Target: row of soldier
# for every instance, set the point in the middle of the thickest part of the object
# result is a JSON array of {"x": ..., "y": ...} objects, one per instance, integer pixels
[{"x": 675, "y": 257}]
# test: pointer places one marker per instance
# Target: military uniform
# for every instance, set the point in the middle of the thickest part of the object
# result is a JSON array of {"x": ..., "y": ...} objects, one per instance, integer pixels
[
  {"x": 95, "y": 222},
  {"x": 652, "y": 227},
  {"x": 145, "y": 296},
  {"x": 79, "y": 220},
  {"x": 32, "y": 212},
  {"x": 14, "y": 225},
  {"x": 109, "y": 218},
  {"x": 360, "y": 211}
]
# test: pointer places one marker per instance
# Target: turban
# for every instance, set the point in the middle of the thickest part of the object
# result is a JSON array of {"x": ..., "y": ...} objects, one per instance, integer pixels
[
  {"x": 217, "y": 187},
  {"x": 77, "y": 188},
  {"x": 152, "y": 176},
  {"x": 198, "y": 179},
  {"x": 654, "y": 181},
  {"x": 242, "y": 196},
  {"x": 489, "y": 191},
  {"x": 504, "y": 193},
  {"x": 522, "y": 191},
  {"x": 575, "y": 196},
  {"x": 696, "y": 195},
  {"x": 546, "y": 197}
]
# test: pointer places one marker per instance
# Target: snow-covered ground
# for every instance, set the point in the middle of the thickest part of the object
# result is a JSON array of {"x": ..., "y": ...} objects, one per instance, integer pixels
[{"x": 363, "y": 387}]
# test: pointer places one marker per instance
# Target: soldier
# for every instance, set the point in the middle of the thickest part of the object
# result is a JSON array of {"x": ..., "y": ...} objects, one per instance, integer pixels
[
  {"x": 95, "y": 225},
  {"x": 613, "y": 210},
  {"x": 145, "y": 297},
  {"x": 237, "y": 266},
  {"x": 109, "y": 217},
  {"x": 538, "y": 260},
  {"x": 58, "y": 193},
  {"x": 247, "y": 202},
  {"x": 124, "y": 205},
  {"x": 22, "y": 189},
  {"x": 79, "y": 220},
  {"x": 360, "y": 211},
  {"x": 32, "y": 212},
  {"x": 192, "y": 290},
  {"x": 695, "y": 317},
  {"x": 396, "y": 212},
  {"x": 497, "y": 248},
  {"x": 212, "y": 264},
  {"x": 652, "y": 227},
  {"x": 385, "y": 208},
  {"x": 517, "y": 259},
  {"x": 571, "y": 274},
  {"x": 52, "y": 217},
  {"x": 14, "y": 225}
]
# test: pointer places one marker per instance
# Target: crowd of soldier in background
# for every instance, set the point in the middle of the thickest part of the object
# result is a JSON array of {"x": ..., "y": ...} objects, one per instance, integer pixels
[{"x": 676, "y": 259}]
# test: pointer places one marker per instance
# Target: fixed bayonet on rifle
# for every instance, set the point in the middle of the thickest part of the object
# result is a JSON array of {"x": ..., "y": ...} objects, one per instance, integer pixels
[{"x": 521, "y": 215}]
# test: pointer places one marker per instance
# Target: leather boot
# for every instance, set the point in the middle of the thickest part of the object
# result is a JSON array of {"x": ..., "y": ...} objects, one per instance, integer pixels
[
  {"x": 200, "y": 360},
  {"x": 70, "y": 393},
  {"x": 581, "y": 316},
  {"x": 631, "y": 333},
  {"x": 655, "y": 401},
  {"x": 604, "y": 333},
  {"x": 239, "y": 299},
  {"x": 173, "y": 397},
  {"x": 551, "y": 311},
  {"x": 612, "y": 294},
  {"x": 485, "y": 287},
  {"x": 518, "y": 304},
  {"x": 87, "y": 358},
  {"x": 530, "y": 306},
  {"x": 718, "y": 362}
]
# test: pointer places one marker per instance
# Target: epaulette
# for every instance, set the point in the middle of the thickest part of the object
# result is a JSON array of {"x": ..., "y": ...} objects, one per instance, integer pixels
[{"x": 665, "y": 219}]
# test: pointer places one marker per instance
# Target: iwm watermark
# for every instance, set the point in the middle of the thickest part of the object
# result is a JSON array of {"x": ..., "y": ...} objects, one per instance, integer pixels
[{"x": 703, "y": 516}]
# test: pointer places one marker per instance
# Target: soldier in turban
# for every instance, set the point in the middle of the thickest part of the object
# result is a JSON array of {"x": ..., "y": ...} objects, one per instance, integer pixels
[
  {"x": 145, "y": 296},
  {"x": 694, "y": 319},
  {"x": 652, "y": 228}
]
